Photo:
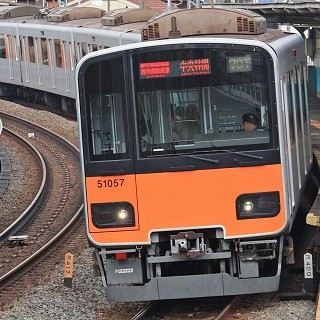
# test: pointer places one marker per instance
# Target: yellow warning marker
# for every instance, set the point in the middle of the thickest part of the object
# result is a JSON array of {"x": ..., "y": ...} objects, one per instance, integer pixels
[
  {"x": 68, "y": 269},
  {"x": 313, "y": 220}
]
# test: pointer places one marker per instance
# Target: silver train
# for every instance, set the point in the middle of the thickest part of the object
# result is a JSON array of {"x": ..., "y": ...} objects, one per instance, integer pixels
[
  {"x": 181, "y": 199},
  {"x": 204, "y": 241},
  {"x": 39, "y": 49}
]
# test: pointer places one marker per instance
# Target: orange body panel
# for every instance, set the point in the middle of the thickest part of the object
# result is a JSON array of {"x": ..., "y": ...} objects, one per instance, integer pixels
[{"x": 192, "y": 199}]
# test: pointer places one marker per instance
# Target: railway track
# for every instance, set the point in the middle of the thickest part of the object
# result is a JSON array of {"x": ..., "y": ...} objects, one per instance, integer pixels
[
  {"x": 50, "y": 217},
  {"x": 218, "y": 308},
  {"x": 56, "y": 252},
  {"x": 18, "y": 223}
]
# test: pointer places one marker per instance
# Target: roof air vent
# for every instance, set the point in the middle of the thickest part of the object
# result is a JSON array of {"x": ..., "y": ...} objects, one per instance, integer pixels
[
  {"x": 128, "y": 15},
  {"x": 7, "y": 12},
  {"x": 74, "y": 13},
  {"x": 195, "y": 22}
]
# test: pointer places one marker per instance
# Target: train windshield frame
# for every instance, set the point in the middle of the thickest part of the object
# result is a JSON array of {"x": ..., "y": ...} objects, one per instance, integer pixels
[
  {"x": 193, "y": 99},
  {"x": 106, "y": 110}
]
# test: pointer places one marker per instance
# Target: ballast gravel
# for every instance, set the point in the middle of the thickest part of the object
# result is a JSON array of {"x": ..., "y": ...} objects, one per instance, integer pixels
[{"x": 86, "y": 299}]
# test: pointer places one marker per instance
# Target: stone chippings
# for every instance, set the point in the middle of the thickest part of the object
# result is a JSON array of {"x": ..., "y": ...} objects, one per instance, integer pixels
[{"x": 86, "y": 299}]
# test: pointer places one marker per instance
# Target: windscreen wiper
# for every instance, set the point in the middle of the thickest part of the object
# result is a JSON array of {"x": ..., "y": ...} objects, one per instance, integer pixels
[
  {"x": 232, "y": 151},
  {"x": 203, "y": 159},
  {"x": 188, "y": 155},
  {"x": 249, "y": 155}
]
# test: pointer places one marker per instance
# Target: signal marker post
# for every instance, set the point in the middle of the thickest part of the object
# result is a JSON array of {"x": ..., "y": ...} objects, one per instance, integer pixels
[
  {"x": 68, "y": 269},
  {"x": 308, "y": 272}
]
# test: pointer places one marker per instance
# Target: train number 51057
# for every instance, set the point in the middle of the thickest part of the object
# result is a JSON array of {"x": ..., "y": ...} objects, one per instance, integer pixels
[{"x": 110, "y": 183}]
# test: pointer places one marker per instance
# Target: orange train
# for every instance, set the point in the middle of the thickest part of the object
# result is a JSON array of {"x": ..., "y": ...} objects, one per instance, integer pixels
[{"x": 182, "y": 199}]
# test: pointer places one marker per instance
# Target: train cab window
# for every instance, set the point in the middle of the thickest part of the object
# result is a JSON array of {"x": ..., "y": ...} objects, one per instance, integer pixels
[
  {"x": 105, "y": 110},
  {"x": 94, "y": 47},
  {"x": 32, "y": 55},
  {"x": 44, "y": 51},
  {"x": 198, "y": 100},
  {"x": 58, "y": 53}
]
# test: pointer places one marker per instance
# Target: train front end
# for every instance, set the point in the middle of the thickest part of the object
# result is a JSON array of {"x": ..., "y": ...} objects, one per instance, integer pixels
[{"x": 181, "y": 201}]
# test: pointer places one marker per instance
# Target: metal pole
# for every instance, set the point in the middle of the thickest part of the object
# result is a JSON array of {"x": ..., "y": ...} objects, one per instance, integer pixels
[{"x": 168, "y": 5}]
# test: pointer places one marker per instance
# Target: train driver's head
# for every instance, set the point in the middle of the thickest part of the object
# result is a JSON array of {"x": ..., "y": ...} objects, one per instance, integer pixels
[{"x": 250, "y": 122}]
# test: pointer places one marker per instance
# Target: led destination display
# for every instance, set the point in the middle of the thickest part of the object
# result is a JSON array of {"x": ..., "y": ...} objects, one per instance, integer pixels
[{"x": 169, "y": 69}]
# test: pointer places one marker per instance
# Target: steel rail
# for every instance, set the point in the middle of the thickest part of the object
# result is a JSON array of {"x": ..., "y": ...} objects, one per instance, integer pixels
[
  {"x": 24, "y": 216},
  {"x": 16, "y": 271},
  {"x": 31, "y": 259}
]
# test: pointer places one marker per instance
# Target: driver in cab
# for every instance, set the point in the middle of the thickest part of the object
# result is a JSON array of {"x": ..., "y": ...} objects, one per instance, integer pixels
[{"x": 250, "y": 122}]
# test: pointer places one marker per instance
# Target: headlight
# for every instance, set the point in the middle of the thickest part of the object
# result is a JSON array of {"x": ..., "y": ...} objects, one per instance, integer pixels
[
  {"x": 112, "y": 215},
  {"x": 258, "y": 205}
]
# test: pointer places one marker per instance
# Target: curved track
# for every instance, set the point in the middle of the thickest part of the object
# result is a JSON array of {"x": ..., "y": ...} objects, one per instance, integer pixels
[
  {"x": 48, "y": 219},
  {"x": 42, "y": 172}
]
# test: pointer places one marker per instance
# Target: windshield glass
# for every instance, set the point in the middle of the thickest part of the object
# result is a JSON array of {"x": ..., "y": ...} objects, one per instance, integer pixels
[
  {"x": 201, "y": 99},
  {"x": 105, "y": 109}
]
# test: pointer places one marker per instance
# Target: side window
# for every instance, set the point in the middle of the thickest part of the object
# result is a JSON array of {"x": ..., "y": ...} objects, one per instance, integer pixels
[
  {"x": 2, "y": 47},
  {"x": 290, "y": 109},
  {"x": 44, "y": 51},
  {"x": 84, "y": 49},
  {"x": 69, "y": 55},
  {"x": 77, "y": 48},
  {"x": 58, "y": 53},
  {"x": 32, "y": 57},
  {"x": 22, "y": 48},
  {"x": 7, "y": 45},
  {"x": 14, "y": 47},
  {"x": 296, "y": 98}
]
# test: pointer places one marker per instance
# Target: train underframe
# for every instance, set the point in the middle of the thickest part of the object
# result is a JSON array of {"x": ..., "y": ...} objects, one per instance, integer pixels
[
  {"x": 191, "y": 264},
  {"x": 54, "y": 102}
]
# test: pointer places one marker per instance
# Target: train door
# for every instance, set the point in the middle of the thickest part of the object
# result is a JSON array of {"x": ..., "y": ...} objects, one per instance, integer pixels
[
  {"x": 32, "y": 59},
  {"x": 10, "y": 44},
  {"x": 52, "y": 63},
  {"x": 24, "y": 55},
  {"x": 66, "y": 57},
  {"x": 39, "y": 60},
  {"x": 292, "y": 173},
  {"x": 297, "y": 125},
  {"x": 305, "y": 116}
]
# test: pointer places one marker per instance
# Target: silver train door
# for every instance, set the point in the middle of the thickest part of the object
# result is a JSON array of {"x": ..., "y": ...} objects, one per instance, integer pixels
[{"x": 292, "y": 170}]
